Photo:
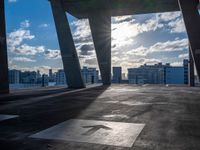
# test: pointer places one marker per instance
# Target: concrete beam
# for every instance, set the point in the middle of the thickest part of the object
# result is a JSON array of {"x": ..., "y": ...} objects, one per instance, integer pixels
[
  {"x": 68, "y": 51},
  {"x": 4, "y": 82},
  {"x": 192, "y": 23},
  {"x": 82, "y": 8},
  {"x": 100, "y": 24},
  {"x": 191, "y": 69}
]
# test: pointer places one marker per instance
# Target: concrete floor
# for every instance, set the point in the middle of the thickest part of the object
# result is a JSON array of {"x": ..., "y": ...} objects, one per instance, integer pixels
[{"x": 171, "y": 116}]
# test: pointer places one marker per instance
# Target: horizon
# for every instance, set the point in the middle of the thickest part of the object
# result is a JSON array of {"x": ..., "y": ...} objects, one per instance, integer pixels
[{"x": 97, "y": 69}]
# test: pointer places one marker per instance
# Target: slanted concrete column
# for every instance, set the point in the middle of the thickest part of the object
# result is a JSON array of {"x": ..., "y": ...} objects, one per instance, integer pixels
[
  {"x": 192, "y": 23},
  {"x": 100, "y": 24},
  {"x": 191, "y": 69},
  {"x": 4, "y": 82},
  {"x": 68, "y": 51}
]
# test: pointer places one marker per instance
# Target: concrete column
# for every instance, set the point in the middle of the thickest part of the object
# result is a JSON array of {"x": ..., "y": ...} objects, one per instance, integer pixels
[
  {"x": 192, "y": 23},
  {"x": 100, "y": 24},
  {"x": 191, "y": 69},
  {"x": 4, "y": 82},
  {"x": 68, "y": 51}
]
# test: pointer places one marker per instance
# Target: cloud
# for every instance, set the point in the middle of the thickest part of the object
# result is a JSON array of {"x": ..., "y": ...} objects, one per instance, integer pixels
[
  {"x": 119, "y": 19},
  {"x": 124, "y": 31},
  {"x": 29, "y": 50},
  {"x": 178, "y": 63},
  {"x": 183, "y": 55},
  {"x": 82, "y": 32},
  {"x": 145, "y": 61},
  {"x": 25, "y": 24},
  {"x": 169, "y": 46},
  {"x": 177, "y": 26},
  {"x": 134, "y": 57},
  {"x": 16, "y": 38},
  {"x": 139, "y": 51},
  {"x": 86, "y": 49},
  {"x": 52, "y": 54},
  {"x": 12, "y": 1},
  {"x": 23, "y": 59},
  {"x": 168, "y": 16},
  {"x": 91, "y": 61},
  {"x": 42, "y": 68},
  {"x": 44, "y": 25}
]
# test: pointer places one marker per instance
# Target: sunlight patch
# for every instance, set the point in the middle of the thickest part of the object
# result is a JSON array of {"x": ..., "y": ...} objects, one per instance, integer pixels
[
  {"x": 6, "y": 117},
  {"x": 92, "y": 131}
]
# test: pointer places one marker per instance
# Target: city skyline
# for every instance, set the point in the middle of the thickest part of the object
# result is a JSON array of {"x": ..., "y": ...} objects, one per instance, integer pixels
[
  {"x": 138, "y": 39},
  {"x": 145, "y": 74},
  {"x": 87, "y": 67}
]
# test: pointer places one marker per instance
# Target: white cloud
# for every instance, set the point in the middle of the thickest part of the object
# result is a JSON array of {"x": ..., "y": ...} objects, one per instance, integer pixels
[
  {"x": 52, "y": 54},
  {"x": 177, "y": 26},
  {"x": 44, "y": 25},
  {"x": 25, "y": 24},
  {"x": 183, "y": 55},
  {"x": 124, "y": 30},
  {"x": 169, "y": 46},
  {"x": 16, "y": 38},
  {"x": 168, "y": 16},
  {"x": 139, "y": 51},
  {"x": 42, "y": 69},
  {"x": 178, "y": 63},
  {"x": 150, "y": 25},
  {"x": 82, "y": 29},
  {"x": 23, "y": 59},
  {"x": 29, "y": 50},
  {"x": 12, "y": 1}
]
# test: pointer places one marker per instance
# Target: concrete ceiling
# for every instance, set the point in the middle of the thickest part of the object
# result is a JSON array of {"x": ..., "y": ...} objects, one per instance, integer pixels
[{"x": 82, "y": 8}]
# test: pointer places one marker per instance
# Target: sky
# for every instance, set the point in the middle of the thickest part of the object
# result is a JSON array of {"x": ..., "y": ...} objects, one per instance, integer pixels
[{"x": 136, "y": 39}]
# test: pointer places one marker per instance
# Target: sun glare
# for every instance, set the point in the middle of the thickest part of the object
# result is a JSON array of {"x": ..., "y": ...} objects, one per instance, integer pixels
[{"x": 124, "y": 31}]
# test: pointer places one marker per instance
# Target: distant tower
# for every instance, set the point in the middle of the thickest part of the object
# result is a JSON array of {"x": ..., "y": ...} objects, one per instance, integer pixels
[
  {"x": 50, "y": 73},
  {"x": 117, "y": 74},
  {"x": 186, "y": 74}
]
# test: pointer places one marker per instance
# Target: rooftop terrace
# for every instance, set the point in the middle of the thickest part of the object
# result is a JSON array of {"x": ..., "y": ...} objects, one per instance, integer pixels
[{"x": 116, "y": 117}]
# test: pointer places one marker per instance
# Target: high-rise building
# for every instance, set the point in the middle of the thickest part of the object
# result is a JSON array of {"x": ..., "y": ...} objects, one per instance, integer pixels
[
  {"x": 50, "y": 73},
  {"x": 186, "y": 71},
  {"x": 28, "y": 77},
  {"x": 159, "y": 74},
  {"x": 117, "y": 74},
  {"x": 90, "y": 75},
  {"x": 60, "y": 78},
  {"x": 45, "y": 80},
  {"x": 52, "y": 76},
  {"x": 38, "y": 75},
  {"x": 147, "y": 74},
  {"x": 14, "y": 76},
  {"x": 174, "y": 75}
]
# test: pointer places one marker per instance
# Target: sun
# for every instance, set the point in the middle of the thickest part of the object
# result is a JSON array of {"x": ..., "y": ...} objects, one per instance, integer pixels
[{"x": 124, "y": 31}]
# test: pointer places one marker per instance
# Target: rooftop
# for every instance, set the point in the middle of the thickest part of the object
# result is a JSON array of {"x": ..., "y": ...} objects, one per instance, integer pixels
[{"x": 147, "y": 117}]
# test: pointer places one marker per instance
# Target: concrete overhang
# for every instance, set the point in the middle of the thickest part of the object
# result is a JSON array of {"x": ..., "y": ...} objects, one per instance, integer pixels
[{"x": 82, "y": 8}]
